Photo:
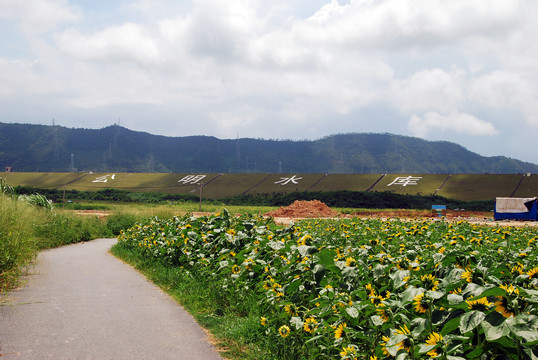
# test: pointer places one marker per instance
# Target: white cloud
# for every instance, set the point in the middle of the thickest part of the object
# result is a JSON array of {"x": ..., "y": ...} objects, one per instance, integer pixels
[
  {"x": 38, "y": 15},
  {"x": 128, "y": 42},
  {"x": 457, "y": 122},
  {"x": 429, "y": 90},
  {"x": 280, "y": 68}
]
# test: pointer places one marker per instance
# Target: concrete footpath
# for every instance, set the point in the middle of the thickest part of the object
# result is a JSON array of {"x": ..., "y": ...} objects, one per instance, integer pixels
[{"x": 80, "y": 302}]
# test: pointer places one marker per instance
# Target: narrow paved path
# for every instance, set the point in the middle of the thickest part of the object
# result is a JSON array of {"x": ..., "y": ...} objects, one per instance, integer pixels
[{"x": 82, "y": 303}]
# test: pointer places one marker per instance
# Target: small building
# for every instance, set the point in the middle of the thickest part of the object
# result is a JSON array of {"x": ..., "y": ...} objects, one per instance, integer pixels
[
  {"x": 9, "y": 169},
  {"x": 516, "y": 209}
]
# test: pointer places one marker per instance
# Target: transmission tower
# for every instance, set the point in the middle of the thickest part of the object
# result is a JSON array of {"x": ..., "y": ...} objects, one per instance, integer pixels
[
  {"x": 72, "y": 167},
  {"x": 237, "y": 154},
  {"x": 55, "y": 143}
]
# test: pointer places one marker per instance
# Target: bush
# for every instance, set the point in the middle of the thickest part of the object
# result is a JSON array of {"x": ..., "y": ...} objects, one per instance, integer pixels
[
  {"x": 117, "y": 222},
  {"x": 17, "y": 247}
]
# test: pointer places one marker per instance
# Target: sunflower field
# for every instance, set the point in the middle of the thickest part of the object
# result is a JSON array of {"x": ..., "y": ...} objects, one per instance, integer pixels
[{"x": 364, "y": 289}]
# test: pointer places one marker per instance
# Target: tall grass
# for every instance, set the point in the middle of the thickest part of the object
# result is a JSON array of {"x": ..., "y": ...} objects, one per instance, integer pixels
[
  {"x": 17, "y": 245},
  {"x": 26, "y": 229}
]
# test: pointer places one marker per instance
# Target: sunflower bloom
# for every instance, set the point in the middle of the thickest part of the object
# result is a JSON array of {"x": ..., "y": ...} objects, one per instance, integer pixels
[
  {"x": 481, "y": 304},
  {"x": 502, "y": 307},
  {"x": 284, "y": 331},
  {"x": 350, "y": 261},
  {"x": 386, "y": 340},
  {"x": 421, "y": 303},
  {"x": 263, "y": 321},
  {"x": 236, "y": 269},
  {"x": 349, "y": 352},
  {"x": 340, "y": 331},
  {"x": 510, "y": 289},
  {"x": 310, "y": 325},
  {"x": 434, "y": 339},
  {"x": 406, "y": 344},
  {"x": 467, "y": 275},
  {"x": 429, "y": 282},
  {"x": 533, "y": 273}
]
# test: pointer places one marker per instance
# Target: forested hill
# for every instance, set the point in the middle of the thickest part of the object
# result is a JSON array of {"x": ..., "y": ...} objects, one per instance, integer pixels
[{"x": 48, "y": 148}]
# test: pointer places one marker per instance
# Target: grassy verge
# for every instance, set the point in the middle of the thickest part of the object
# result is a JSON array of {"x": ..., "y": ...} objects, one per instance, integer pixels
[
  {"x": 232, "y": 326},
  {"x": 25, "y": 230}
]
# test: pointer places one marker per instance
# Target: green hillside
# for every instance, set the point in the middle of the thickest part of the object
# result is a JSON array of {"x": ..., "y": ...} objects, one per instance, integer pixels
[
  {"x": 480, "y": 187},
  {"x": 39, "y": 148},
  {"x": 417, "y": 184},
  {"x": 221, "y": 185}
]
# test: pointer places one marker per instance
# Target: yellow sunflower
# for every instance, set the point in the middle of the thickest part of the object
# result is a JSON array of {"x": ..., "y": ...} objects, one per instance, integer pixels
[
  {"x": 386, "y": 340},
  {"x": 481, "y": 304},
  {"x": 503, "y": 307},
  {"x": 434, "y": 339},
  {"x": 421, "y": 303},
  {"x": 236, "y": 269},
  {"x": 349, "y": 352},
  {"x": 284, "y": 331},
  {"x": 467, "y": 275},
  {"x": 429, "y": 282},
  {"x": 533, "y": 273},
  {"x": 510, "y": 289},
  {"x": 406, "y": 344},
  {"x": 310, "y": 325},
  {"x": 340, "y": 331}
]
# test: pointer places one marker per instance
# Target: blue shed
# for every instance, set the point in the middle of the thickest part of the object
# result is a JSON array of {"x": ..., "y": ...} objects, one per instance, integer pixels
[{"x": 516, "y": 209}]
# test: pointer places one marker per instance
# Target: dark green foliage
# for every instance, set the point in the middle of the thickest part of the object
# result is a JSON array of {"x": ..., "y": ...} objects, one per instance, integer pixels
[
  {"x": 343, "y": 198},
  {"x": 359, "y": 199},
  {"x": 113, "y": 195},
  {"x": 118, "y": 222},
  {"x": 45, "y": 148}
]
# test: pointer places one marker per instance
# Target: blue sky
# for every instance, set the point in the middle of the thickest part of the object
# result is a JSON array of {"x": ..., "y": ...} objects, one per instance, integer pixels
[{"x": 456, "y": 70}]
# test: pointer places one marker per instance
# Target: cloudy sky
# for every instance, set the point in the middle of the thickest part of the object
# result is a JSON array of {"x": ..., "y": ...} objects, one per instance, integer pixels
[{"x": 457, "y": 70}]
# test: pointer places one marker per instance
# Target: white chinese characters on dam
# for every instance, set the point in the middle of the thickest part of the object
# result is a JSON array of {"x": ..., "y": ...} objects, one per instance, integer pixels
[
  {"x": 191, "y": 179},
  {"x": 406, "y": 180},
  {"x": 104, "y": 178},
  {"x": 286, "y": 180}
]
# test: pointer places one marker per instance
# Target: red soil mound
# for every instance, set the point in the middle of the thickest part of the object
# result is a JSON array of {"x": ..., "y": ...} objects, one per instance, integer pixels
[{"x": 304, "y": 209}]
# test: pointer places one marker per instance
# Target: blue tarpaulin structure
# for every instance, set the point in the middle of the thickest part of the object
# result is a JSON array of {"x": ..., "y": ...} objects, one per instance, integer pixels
[{"x": 516, "y": 209}]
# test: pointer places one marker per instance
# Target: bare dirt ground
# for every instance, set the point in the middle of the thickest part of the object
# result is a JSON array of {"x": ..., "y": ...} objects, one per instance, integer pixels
[{"x": 316, "y": 209}]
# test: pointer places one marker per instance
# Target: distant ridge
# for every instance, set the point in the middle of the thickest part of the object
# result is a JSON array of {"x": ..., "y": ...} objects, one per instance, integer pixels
[{"x": 27, "y": 147}]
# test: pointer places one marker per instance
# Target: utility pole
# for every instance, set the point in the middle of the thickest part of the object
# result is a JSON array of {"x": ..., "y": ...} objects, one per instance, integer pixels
[{"x": 201, "y": 187}]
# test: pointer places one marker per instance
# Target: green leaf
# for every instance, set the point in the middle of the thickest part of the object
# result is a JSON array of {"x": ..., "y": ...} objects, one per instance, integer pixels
[
  {"x": 319, "y": 272},
  {"x": 351, "y": 311},
  {"x": 524, "y": 326},
  {"x": 455, "y": 299},
  {"x": 495, "y": 332},
  {"x": 450, "y": 326},
  {"x": 470, "y": 320},
  {"x": 377, "y": 320},
  {"x": 297, "y": 322},
  {"x": 409, "y": 294},
  {"x": 419, "y": 325},
  {"x": 475, "y": 354},
  {"x": 398, "y": 278}
]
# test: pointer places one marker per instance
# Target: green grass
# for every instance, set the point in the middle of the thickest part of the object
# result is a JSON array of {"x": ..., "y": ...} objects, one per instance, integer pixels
[
  {"x": 528, "y": 187},
  {"x": 427, "y": 185},
  {"x": 352, "y": 182},
  {"x": 26, "y": 229},
  {"x": 466, "y": 187},
  {"x": 40, "y": 179},
  {"x": 233, "y": 333},
  {"x": 479, "y": 187},
  {"x": 17, "y": 248}
]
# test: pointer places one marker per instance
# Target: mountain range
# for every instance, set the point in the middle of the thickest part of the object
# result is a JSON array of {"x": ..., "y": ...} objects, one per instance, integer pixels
[{"x": 26, "y": 147}]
